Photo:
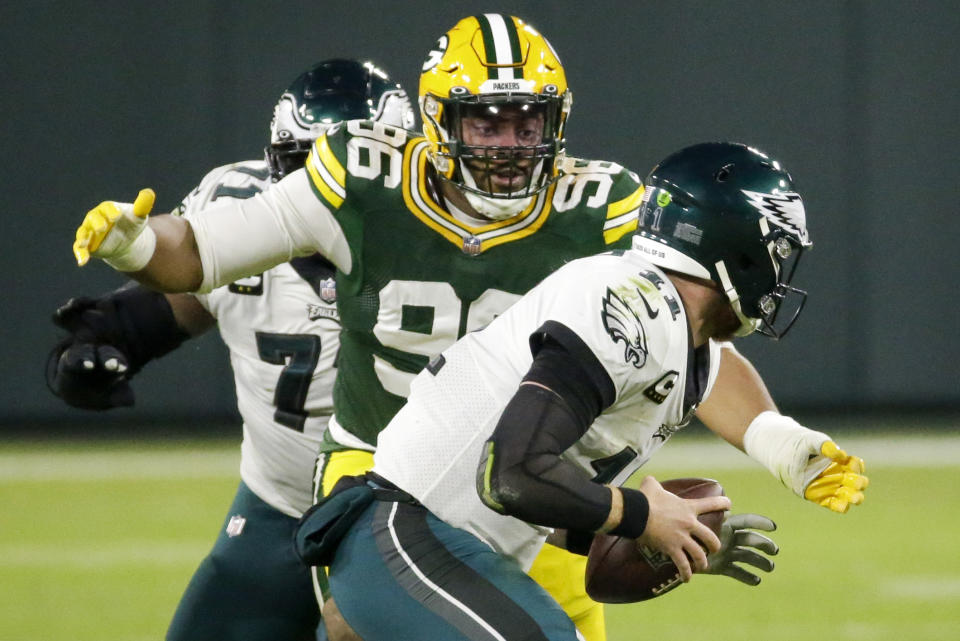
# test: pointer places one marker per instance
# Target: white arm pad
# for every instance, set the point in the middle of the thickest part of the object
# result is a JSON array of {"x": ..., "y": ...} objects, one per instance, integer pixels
[
  {"x": 789, "y": 450},
  {"x": 137, "y": 254},
  {"x": 130, "y": 243},
  {"x": 244, "y": 238}
]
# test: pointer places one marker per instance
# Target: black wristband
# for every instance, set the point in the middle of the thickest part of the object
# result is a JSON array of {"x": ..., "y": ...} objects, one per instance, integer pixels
[
  {"x": 636, "y": 509},
  {"x": 578, "y": 541}
]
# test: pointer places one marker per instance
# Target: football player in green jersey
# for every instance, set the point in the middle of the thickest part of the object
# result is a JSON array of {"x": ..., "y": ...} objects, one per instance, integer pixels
[{"x": 432, "y": 235}]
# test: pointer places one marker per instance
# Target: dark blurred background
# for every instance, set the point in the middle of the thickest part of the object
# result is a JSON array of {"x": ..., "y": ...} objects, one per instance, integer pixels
[{"x": 858, "y": 99}]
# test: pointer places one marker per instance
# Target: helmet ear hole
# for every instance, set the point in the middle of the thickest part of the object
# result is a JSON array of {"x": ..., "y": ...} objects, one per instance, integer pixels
[{"x": 723, "y": 174}]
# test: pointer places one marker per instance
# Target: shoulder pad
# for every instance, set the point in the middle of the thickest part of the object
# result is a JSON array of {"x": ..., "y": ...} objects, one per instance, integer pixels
[
  {"x": 605, "y": 167},
  {"x": 354, "y": 148},
  {"x": 606, "y": 186},
  {"x": 644, "y": 308},
  {"x": 239, "y": 180}
]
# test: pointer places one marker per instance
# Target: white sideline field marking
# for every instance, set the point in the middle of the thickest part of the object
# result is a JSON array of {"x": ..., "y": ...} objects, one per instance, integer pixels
[
  {"x": 935, "y": 450},
  {"x": 126, "y": 464},
  {"x": 923, "y": 588},
  {"x": 87, "y": 557},
  {"x": 876, "y": 451}
]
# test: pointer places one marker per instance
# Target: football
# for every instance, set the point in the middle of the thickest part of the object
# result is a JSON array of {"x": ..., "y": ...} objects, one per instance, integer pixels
[{"x": 621, "y": 571}]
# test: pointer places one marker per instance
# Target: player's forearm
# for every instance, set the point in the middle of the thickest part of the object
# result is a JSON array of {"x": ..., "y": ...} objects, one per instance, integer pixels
[
  {"x": 175, "y": 265},
  {"x": 738, "y": 396},
  {"x": 190, "y": 315}
]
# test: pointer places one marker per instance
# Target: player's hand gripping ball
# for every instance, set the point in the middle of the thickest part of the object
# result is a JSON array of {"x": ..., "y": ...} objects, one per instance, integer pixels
[{"x": 621, "y": 571}]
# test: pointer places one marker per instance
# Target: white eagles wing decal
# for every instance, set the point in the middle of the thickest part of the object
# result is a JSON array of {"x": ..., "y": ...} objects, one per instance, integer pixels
[
  {"x": 623, "y": 324},
  {"x": 782, "y": 209}
]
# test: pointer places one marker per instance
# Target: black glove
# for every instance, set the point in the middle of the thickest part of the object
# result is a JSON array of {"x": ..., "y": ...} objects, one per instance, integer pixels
[
  {"x": 737, "y": 539},
  {"x": 85, "y": 369}
]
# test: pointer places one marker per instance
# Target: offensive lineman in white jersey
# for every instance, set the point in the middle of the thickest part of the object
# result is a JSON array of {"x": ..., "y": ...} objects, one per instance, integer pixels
[
  {"x": 504, "y": 434},
  {"x": 282, "y": 330}
]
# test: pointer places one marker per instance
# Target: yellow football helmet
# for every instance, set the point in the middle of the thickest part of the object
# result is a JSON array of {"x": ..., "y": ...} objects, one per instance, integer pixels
[{"x": 481, "y": 64}]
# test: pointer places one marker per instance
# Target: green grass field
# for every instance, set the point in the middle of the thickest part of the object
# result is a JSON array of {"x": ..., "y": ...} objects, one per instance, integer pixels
[{"x": 98, "y": 539}]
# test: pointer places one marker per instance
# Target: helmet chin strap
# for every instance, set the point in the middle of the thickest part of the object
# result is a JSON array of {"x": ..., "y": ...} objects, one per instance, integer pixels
[
  {"x": 747, "y": 325},
  {"x": 495, "y": 208}
]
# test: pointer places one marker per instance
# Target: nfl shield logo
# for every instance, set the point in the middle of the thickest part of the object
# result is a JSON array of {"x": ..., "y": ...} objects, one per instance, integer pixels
[
  {"x": 328, "y": 290},
  {"x": 235, "y": 525},
  {"x": 471, "y": 245}
]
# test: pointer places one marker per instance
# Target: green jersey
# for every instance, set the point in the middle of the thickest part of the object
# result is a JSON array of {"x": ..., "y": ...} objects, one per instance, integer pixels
[{"x": 421, "y": 278}]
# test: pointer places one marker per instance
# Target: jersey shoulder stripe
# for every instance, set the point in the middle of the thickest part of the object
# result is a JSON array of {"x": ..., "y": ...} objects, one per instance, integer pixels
[
  {"x": 622, "y": 216},
  {"x": 350, "y": 149},
  {"x": 327, "y": 175},
  {"x": 606, "y": 187}
]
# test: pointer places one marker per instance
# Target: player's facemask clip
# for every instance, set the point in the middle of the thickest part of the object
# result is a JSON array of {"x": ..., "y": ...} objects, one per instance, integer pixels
[{"x": 780, "y": 308}]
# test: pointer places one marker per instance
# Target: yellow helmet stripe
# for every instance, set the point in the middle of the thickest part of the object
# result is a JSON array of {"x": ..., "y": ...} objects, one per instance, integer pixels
[{"x": 502, "y": 46}]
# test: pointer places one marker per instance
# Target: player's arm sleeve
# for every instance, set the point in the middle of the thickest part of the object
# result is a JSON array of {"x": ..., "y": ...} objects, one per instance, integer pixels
[
  {"x": 522, "y": 473},
  {"x": 244, "y": 238},
  {"x": 137, "y": 321}
]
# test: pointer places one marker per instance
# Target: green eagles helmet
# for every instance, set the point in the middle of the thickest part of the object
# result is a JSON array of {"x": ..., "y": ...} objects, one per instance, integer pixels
[
  {"x": 730, "y": 214},
  {"x": 327, "y": 93}
]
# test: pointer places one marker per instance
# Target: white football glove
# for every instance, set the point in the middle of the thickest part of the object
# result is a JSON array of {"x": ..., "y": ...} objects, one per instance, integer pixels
[{"x": 118, "y": 233}]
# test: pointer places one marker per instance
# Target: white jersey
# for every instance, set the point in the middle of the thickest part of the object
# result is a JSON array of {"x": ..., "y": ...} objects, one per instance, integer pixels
[
  {"x": 282, "y": 330},
  {"x": 628, "y": 314}
]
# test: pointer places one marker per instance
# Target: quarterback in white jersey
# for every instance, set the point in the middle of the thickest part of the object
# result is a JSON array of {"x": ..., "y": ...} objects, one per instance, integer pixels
[
  {"x": 617, "y": 312},
  {"x": 282, "y": 329},
  {"x": 528, "y": 427}
]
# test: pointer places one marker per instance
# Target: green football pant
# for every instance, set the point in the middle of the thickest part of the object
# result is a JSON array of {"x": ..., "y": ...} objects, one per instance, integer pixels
[
  {"x": 252, "y": 586},
  {"x": 401, "y": 574}
]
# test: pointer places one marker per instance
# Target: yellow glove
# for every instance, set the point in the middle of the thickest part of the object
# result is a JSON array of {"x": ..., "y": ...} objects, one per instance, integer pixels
[
  {"x": 806, "y": 461},
  {"x": 118, "y": 233},
  {"x": 841, "y": 484}
]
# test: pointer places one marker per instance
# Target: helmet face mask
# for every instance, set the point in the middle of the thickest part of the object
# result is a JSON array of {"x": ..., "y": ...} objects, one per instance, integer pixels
[
  {"x": 530, "y": 121},
  {"x": 330, "y": 92},
  {"x": 730, "y": 214},
  {"x": 768, "y": 305},
  {"x": 487, "y": 67}
]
